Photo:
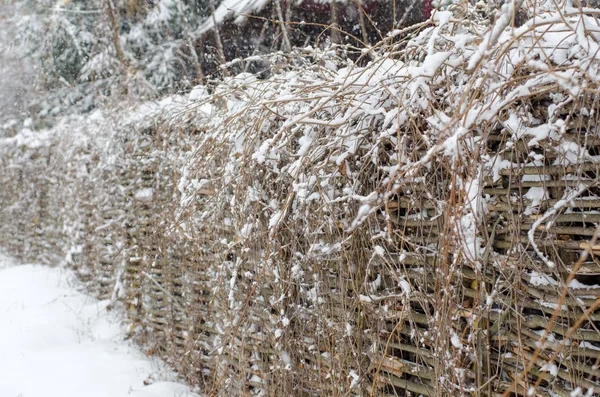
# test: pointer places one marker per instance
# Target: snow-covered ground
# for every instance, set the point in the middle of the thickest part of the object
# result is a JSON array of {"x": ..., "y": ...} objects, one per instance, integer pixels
[{"x": 58, "y": 342}]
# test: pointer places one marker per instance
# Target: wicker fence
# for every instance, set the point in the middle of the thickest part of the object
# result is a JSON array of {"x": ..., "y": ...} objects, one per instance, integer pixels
[{"x": 366, "y": 257}]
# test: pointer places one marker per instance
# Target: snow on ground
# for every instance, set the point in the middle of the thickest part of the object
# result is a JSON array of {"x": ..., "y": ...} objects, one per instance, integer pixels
[{"x": 58, "y": 342}]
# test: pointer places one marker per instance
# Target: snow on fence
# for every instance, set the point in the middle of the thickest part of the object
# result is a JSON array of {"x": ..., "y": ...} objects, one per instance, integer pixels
[{"x": 425, "y": 224}]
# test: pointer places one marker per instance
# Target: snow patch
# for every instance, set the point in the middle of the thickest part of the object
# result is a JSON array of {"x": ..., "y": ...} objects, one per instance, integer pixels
[{"x": 57, "y": 342}]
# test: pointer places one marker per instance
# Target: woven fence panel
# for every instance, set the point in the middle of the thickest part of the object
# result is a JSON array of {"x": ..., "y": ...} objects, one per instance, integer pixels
[
  {"x": 370, "y": 232},
  {"x": 294, "y": 314}
]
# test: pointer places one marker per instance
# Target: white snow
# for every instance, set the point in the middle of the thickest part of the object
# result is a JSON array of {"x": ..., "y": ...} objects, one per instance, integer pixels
[
  {"x": 355, "y": 379},
  {"x": 405, "y": 285},
  {"x": 588, "y": 345},
  {"x": 550, "y": 367},
  {"x": 58, "y": 342},
  {"x": 537, "y": 279},
  {"x": 144, "y": 194},
  {"x": 199, "y": 92},
  {"x": 275, "y": 218},
  {"x": 236, "y": 9},
  {"x": 574, "y": 284},
  {"x": 455, "y": 340}
]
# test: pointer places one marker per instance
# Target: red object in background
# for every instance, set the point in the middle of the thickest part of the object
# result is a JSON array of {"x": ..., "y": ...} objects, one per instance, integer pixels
[{"x": 427, "y": 8}]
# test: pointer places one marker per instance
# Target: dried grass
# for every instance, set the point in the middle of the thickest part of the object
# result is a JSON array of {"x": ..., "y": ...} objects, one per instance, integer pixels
[{"x": 425, "y": 224}]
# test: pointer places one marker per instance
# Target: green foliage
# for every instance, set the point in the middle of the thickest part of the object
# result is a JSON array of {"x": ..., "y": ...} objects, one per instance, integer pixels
[
  {"x": 70, "y": 43},
  {"x": 87, "y": 52}
]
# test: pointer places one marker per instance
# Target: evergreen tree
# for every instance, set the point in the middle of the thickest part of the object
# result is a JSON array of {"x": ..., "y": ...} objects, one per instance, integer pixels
[{"x": 87, "y": 51}]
